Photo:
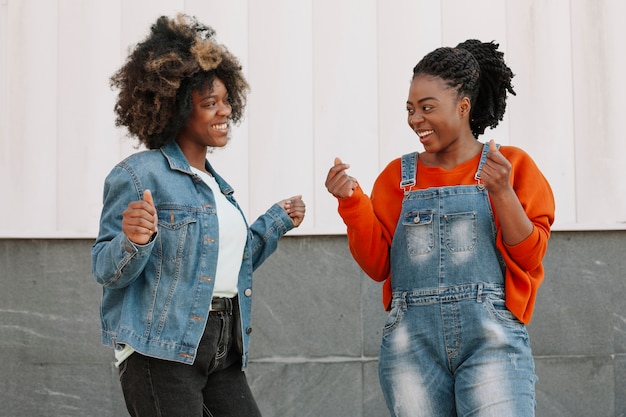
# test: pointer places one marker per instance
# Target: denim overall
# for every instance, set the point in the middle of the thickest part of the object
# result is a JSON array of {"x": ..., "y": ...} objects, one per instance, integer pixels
[{"x": 450, "y": 346}]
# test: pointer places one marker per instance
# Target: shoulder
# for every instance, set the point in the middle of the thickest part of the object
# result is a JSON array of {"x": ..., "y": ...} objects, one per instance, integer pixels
[
  {"x": 390, "y": 175},
  {"x": 141, "y": 157},
  {"x": 387, "y": 184},
  {"x": 392, "y": 171},
  {"x": 514, "y": 153},
  {"x": 526, "y": 176},
  {"x": 143, "y": 162},
  {"x": 519, "y": 159},
  {"x": 138, "y": 167}
]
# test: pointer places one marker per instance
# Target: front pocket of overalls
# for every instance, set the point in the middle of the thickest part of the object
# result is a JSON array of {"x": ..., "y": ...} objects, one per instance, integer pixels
[
  {"x": 174, "y": 232},
  {"x": 460, "y": 231},
  {"x": 498, "y": 311},
  {"x": 420, "y": 235},
  {"x": 393, "y": 319}
]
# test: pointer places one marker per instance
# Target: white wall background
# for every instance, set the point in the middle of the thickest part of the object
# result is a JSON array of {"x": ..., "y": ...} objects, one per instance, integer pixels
[{"x": 329, "y": 78}]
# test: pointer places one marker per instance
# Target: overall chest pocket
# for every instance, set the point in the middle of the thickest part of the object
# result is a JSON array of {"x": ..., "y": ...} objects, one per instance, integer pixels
[
  {"x": 460, "y": 229},
  {"x": 420, "y": 235},
  {"x": 174, "y": 234}
]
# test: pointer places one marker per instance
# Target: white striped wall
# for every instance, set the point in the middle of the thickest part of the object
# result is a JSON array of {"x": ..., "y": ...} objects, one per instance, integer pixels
[{"x": 329, "y": 78}]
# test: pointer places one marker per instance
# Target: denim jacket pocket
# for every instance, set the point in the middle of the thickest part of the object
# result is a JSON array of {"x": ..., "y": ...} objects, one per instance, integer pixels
[
  {"x": 420, "y": 235},
  {"x": 174, "y": 222}
]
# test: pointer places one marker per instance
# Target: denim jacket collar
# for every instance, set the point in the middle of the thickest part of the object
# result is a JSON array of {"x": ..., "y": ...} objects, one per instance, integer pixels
[{"x": 178, "y": 162}]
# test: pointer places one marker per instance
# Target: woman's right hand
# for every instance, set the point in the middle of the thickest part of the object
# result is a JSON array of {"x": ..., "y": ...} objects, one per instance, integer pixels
[
  {"x": 338, "y": 182},
  {"x": 295, "y": 208},
  {"x": 140, "y": 220}
]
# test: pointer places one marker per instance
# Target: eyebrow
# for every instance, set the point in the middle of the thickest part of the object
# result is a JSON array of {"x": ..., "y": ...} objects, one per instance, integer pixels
[
  {"x": 423, "y": 99},
  {"x": 211, "y": 95},
  {"x": 208, "y": 96}
]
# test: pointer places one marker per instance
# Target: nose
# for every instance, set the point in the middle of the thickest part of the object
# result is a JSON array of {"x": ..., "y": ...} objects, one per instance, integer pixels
[
  {"x": 225, "y": 109},
  {"x": 414, "y": 120}
]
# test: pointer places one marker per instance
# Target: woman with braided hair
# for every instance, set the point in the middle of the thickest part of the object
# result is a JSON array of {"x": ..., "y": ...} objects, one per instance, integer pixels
[
  {"x": 174, "y": 252},
  {"x": 457, "y": 234}
]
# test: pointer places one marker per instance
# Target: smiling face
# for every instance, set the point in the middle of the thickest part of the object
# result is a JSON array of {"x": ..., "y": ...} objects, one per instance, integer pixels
[
  {"x": 208, "y": 124},
  {"x": 438, "y": 116}
]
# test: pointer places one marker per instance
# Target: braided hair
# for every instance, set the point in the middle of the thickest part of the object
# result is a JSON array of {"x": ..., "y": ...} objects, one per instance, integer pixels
[
  {"x": 178, "y": 56},
  {"x": 476, "y": 70}
]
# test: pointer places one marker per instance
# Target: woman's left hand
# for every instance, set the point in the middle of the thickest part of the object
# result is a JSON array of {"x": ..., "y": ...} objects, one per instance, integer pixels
[
  {"x": 496, "y": 176},
  {"x": 496, "y": 172},
  {"x": 295, "y": 208}
]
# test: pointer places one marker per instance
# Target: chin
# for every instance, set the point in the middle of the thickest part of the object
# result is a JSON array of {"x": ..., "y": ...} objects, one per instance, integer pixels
[{"x": 210, "y": 149}]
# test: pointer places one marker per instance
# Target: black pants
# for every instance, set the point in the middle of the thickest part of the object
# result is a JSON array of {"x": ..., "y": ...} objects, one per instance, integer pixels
[{"x": 213, "y": 386}]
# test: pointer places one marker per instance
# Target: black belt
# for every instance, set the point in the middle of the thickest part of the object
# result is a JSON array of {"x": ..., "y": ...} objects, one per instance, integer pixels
[{"x": 222, "y": 304}]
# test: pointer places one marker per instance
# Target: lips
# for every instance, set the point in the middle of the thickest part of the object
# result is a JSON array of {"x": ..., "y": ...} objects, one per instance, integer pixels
[
  {"x": 423, "y": 134},
  {"x": 222, "y": 127}
]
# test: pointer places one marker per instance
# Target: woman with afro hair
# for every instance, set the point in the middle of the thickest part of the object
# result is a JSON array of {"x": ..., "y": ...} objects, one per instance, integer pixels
[
  {"x": 174, "y": 253},
  {"x": 457, "y": 234}
]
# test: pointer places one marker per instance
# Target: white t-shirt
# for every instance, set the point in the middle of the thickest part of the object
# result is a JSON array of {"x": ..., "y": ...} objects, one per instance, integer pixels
[{"x": 232, "y": 240}]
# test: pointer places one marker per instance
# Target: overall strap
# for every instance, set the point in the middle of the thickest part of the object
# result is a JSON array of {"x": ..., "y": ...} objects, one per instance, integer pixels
[
  {"x": 483, "y": 159},
  {"x": 409, "y": 171}
]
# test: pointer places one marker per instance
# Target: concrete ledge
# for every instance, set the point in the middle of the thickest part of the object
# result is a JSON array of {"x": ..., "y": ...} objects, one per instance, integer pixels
[{"x": 317, "y": 323}]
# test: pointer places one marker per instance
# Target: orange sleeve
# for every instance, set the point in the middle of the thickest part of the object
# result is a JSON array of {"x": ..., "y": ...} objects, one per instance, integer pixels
[
  {"x": 524, "y": 261},
  {"x": 371, "y": 222}
]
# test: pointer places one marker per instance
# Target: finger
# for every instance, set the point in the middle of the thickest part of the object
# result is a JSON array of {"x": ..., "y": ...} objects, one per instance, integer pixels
[
  {"x": 341, "y": 186},
  {"x": 336, "y": 170},
  {"x": 492, "y": 146},
  {"x": 345, "y": 181},
  {"x": 297, "y": 215},
  {"x": 296, "y": 207},
  {"x": 338, "y": 163},
  {"x": 138, "y": 224},
  {"x": 288, "y": 202},
  {"x": 147, "y": 197},
  {"x": 336, "y": 175}
]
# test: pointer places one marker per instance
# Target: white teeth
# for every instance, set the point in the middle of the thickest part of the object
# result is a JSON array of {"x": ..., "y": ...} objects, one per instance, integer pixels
[
  {"x": 223, "y": 126},
  {"x": 424, "y": 133}
]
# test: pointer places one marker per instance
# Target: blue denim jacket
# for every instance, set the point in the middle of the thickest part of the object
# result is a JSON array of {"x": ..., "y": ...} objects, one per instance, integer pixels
[{"x": 156, "y": 297}]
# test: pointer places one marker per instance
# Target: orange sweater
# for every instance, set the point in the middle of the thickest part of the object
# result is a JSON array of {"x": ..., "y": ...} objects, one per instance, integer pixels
[{"x": 371, "y": 223}]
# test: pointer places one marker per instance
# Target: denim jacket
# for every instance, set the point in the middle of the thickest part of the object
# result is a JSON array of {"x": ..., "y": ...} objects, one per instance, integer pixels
[{"x": 156, "y": 297}]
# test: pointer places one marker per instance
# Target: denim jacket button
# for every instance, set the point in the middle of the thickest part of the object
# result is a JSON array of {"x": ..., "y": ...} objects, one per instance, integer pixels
[
  {"x": 248, "y": 292},
  {"x": 249, "y": 330}
]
